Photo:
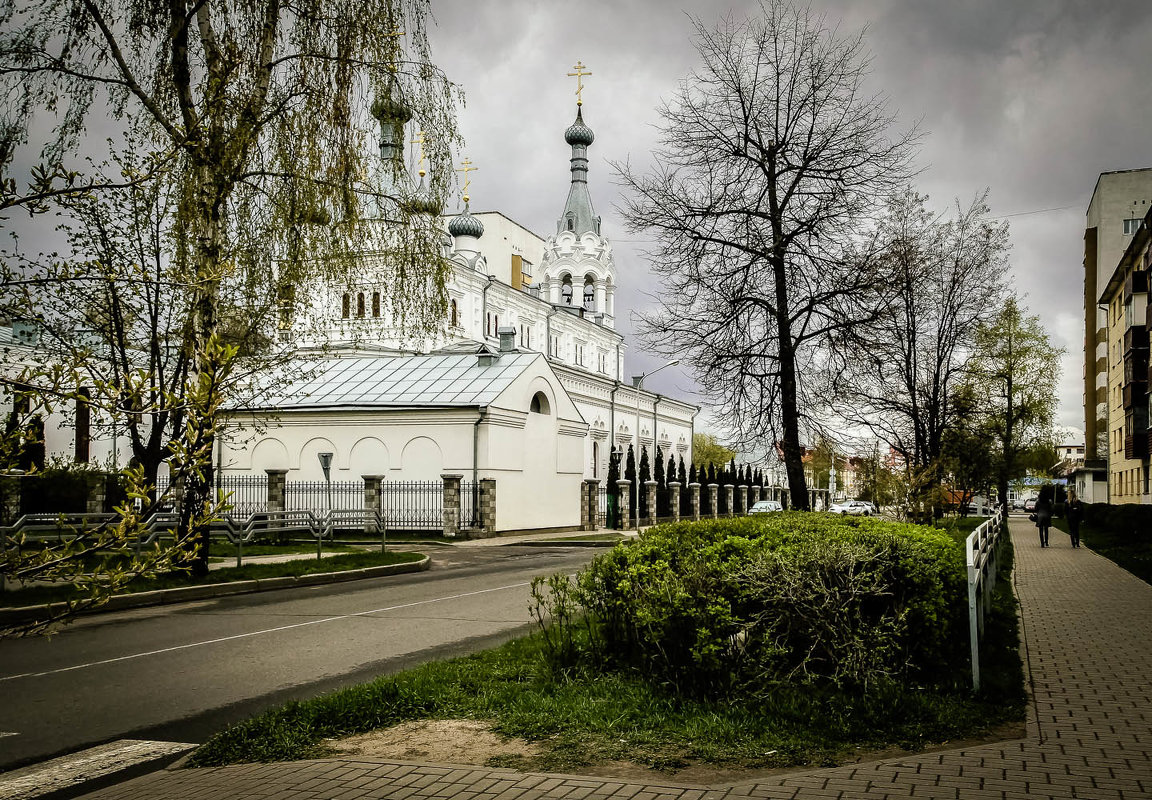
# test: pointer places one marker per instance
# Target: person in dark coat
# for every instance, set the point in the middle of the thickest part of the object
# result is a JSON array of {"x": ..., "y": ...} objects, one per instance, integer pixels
[
  {"x": 1074, "y": 513},
  {"x": 1043, "y": 516}
]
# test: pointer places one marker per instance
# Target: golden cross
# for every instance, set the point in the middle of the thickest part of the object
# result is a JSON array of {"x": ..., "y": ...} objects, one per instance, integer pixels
[
  {"x": 419, "y": 139},
  {"x": 579, "y": 76},
  {"x": 466, "y": 167}
]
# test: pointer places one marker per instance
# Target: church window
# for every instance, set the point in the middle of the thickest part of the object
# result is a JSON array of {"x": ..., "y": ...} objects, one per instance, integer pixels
[
  {"x": 453, "y": 313},
  {"x": 346, "y": 306},
  {"x": 571, "y": 224},
  {"x": 589, "y": 295},
  {"x": 539, "y": 403},
  {"x": 566, "y": 291},
  {"x": 360, "y": 304},
  {"x": 375, "y": 304}
]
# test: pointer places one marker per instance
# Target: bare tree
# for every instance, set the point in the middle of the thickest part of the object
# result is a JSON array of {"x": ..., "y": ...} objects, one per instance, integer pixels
[
  {"x": 897, "y": 374},
  {"x": 772, "y": 154},
  {"x": 256, "y": 114}
]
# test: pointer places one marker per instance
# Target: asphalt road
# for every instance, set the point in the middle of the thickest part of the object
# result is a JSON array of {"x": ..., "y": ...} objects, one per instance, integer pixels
[{"x": 182, "y": 672}]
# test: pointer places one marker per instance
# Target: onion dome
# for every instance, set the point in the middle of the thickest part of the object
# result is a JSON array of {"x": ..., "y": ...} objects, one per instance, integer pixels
[
  {"x": 421, "y": 201},
  {"x": 578, "y": 132},
  {"x": 466, "y": 225},
  {"x": 390, "y": 107}
]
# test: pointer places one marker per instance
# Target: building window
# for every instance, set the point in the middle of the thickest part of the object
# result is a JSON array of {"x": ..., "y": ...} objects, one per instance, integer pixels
[
  {"x": 346, "y": 306},
  {"x": 539, "y": 404},
  {"x": 453, "y": 313},
  {"x": 566, "y": 291},
  {"x": 580, "y": 354},
  {"x": 1131, "y": 226},
  {"x": 554, "y": 346},
  {"x": 360, "y": 304},
  {"x": 589, "y": 295},
  {"x": 375, "y": 304},
  {"x": 571, "y": 223}
]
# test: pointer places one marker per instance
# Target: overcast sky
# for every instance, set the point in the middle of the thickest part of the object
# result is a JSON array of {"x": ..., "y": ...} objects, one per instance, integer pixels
[{"x": 1031, "y": 99}]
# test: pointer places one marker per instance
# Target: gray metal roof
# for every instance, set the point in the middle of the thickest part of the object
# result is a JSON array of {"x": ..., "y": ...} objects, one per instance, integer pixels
[{"x": 433, "y": 380}]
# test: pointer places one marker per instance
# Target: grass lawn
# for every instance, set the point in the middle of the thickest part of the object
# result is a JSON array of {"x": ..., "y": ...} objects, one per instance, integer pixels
[
  {"x": 582, "y": 718},
  {"x": 33, "y": 595},
  {"x": 1133, "y": 553},
  {"x": 960, "y": 528}
]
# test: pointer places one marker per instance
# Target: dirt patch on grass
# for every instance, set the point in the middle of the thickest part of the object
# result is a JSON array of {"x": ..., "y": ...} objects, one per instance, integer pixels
[{"x": 452, "y": 741}]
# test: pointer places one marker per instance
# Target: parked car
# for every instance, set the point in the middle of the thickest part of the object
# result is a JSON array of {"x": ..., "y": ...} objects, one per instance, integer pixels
[
  {"x": 765, "y": 507},
  {"x": 1030, "y": 504},
  {"x": 855, "y": 508}
]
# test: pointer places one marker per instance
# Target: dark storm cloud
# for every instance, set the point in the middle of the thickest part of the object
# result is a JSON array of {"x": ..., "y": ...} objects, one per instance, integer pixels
[{"x": 1030, "y": 99}]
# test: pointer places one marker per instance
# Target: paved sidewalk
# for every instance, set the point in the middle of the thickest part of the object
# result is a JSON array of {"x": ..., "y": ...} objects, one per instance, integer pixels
[{"x": 1088, "y": 631}]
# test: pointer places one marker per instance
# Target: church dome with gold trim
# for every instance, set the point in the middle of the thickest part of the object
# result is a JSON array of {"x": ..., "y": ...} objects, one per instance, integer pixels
[{"x": 578, "y": 132}]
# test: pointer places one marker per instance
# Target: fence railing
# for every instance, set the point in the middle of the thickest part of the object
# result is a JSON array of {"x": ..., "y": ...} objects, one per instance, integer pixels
[
  {"x": 314, "y": 495},
  {"x": 247, "y": 494},
  {"x": 417, "y": 505},
  {"x": 982, "y": 548}
]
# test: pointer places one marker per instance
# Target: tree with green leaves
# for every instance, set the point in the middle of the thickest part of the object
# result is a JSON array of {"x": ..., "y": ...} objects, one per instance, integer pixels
[
  {"x": 1015, "y": 371},
  {"x": 263, "y": 119},
  {"x": 707, "y": 450},
  {"x": 630, "y": 476}
]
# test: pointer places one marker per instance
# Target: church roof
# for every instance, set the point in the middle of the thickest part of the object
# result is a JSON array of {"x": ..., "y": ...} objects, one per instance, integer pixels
[{"x": 432, "y": 380}]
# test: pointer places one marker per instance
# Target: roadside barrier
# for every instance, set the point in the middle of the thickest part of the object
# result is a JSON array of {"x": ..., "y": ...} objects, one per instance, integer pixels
[{"x": 982, "y": 549}]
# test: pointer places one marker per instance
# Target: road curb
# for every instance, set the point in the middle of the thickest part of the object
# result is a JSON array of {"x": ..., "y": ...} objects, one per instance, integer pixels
[
  {"x": 91, "y": 769},
  {"x": 184, "y": 594}
]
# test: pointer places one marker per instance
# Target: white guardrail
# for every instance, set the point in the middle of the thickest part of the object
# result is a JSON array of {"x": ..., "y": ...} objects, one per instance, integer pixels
[{"x": 982, "y": 549}]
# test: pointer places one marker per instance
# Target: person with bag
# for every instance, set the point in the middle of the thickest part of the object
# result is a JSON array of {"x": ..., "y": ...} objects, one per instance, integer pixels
[
  {"x": 1043, "y": 518},
  {"x": 1074, "y": 513}
]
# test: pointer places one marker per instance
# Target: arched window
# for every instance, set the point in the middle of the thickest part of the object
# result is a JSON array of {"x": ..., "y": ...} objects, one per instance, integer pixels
[
  {"x": 566, "y": 291},
  {"x": 571, "y": 224},
  {"x": 360, "y": 304},
  {"x": 346, "y": 306},
  {"x": 589, "y": 294},
  {"x": 453, "y": 313},
  {"x": 539, "y": 403},
  {"x": 375, "y": 304}
]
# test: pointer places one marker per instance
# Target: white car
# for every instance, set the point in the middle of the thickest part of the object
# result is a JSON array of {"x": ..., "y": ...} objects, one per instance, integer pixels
[
  {"x": 765, "y": 507},
  {"x": 855, "y": 508}
]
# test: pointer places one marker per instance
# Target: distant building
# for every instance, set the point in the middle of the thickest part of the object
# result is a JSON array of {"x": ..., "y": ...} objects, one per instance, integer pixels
[
  {"x": 1115, "y": 340},
  {"x": 1125, "y": 300}
]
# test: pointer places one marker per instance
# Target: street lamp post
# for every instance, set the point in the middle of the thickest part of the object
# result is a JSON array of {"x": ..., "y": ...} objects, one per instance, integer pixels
[
  {"x": 638, "y": 385},
  {"x": 326, "y": 466}
]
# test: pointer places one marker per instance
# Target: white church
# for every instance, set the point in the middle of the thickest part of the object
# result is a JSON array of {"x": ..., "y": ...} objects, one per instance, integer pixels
[{"x": 525, "y": 382}]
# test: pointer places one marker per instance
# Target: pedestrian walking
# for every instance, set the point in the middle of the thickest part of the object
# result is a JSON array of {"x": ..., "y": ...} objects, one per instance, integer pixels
[
  {"x": 1074, "y": 513},
  {"x": 1043, "y": 517}
]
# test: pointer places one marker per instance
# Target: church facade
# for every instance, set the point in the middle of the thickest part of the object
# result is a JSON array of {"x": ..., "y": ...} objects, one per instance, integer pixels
[{"x": 524, "y": 382}]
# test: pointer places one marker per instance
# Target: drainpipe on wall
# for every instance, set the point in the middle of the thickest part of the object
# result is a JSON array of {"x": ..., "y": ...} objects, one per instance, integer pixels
[
  {"x": 655, "y": 423},
  {"x": 476, "y": 442},
  {"x": 484, "y": 305}
]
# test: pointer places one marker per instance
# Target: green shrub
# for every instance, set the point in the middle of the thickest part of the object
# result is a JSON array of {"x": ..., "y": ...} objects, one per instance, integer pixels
[{"x": 740, "y": 604}]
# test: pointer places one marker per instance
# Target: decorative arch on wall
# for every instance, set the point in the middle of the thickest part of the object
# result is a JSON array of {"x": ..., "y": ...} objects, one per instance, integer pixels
[
  {"x": 307, "y": 461},
  {"x": 369, "y": 456},
  {"x": 270, "y": 453},
  {"x": 422, "y": 459},
  {"x": 540, "y": 404}
]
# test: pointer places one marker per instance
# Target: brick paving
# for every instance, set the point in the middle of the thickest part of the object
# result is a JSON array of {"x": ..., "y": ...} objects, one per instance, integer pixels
[{"x": 1088, "y": 637}]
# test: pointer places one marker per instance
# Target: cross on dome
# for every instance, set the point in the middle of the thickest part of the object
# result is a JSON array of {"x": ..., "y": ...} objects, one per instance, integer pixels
[
  {"x": 579, "y": 75},
  {"x": 466, "y": 167}
]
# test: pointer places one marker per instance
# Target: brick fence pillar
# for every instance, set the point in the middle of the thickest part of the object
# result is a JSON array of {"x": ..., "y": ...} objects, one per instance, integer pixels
[
  {"x": 372, "y": 504},
  {"x": 10, "y": 494},
  {"x": 729, "y": 497},
  {"x": 674, "y": 497},
  {"x": 742, "y": 499},
  {"x": 590, "y": 505},
  {"x": 694, "y": 500},
  {"x": 487, "y": 521},
  {"x": 451, "y": 504},
  {"x": 276, "y": 480},
  {"x": 714, "y": 496},
  {"x": 97, "y": 486},
  {"x": 650, "y": 491},
  {"x": 624, "y": 513}
]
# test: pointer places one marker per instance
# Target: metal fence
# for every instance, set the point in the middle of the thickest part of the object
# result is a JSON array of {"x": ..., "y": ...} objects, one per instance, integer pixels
[
  {"x": 469, "y": 504},
  {"x": 982, "y": 548},
  {"x": 313, "y": 495},
  {"x": 414, "y": 505},
  {"x": 247, "y": 494}
]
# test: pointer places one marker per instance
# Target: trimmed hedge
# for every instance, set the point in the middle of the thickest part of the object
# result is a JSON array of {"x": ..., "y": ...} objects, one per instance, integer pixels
[
  {"x": 742, "y": 604},
  {"x": 1121, "y": 519}
]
